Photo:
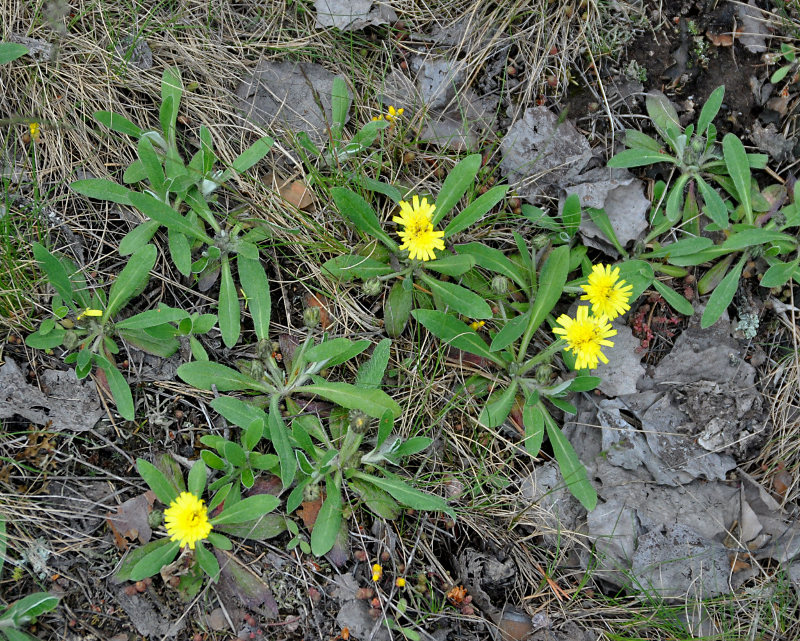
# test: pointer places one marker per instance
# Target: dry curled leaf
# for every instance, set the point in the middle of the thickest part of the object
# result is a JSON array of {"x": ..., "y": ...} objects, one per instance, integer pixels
[
  {"x": 319, "y": 301},
  {"x": 297, "y": 194},
  {"x": 130, "y": 522}
]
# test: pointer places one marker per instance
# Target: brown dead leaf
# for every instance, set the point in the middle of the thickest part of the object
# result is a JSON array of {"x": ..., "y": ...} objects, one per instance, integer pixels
[
  {"x": 317, "y": 300},
  {"x": 720, "y": 39},
  {"x": 308, "y": 511},
  {"x": 297, "y": 194},
  {"x": 738, "y": 564},
  {"x": 130, "y": 522}
]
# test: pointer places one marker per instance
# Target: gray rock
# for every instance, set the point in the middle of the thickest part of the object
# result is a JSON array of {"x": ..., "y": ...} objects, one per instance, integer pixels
[{"x": 351, "y": 15}]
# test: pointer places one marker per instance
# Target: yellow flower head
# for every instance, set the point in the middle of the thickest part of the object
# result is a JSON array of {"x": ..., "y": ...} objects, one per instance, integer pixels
[
  {"x": 476, "y": 325},
  {"x": 186, "y": 519},
  {"x": 606, "y": 292},
  {"x": 585, "y": 335},
  {"x": 377, "y": 572},
  {"x": 35, "y": 131},
  {"x": 90, "y": 312},
  {"x": 400, "y": 582},
  {"x": 390, "y": 116},
  {"x": 418, "y": 237}
]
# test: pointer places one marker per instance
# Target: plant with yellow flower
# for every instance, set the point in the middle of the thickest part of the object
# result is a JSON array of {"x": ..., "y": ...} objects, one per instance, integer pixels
[
  {"x": 423, "y": 254},
  {"x": 190, "y": 526}
]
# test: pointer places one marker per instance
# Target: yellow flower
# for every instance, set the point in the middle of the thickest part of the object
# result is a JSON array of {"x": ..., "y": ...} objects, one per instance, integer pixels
[
  {"x": 418, "y": 237},
  {"x": 186, "y": 520},
  {"x": 35, "y": 132},
  {"x": 392, "y": 116},
  {"x": 377, "y": 572},
  {"x": 585, "y": 336},
  {"x": 606, "y": 292},
  {"x": 476, "y": 325},
  {"x": 90, "y": 312},
  {"x": 400, "y": 582}
]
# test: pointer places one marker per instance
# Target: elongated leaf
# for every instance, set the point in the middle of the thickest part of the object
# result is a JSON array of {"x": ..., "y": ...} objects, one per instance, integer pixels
[
  {"x": 26, "y": 610},
  {"x": 779, "y": 273},
  {"x": 498, "y": 406},
  {"x": 683, "y": 247},
  {"x": 132, "y": 279},
  {"x": 279, "y": 435},
  {"x": 248, "y": 509},
  {"x": 256, "y": 287},
  {"x": 102, "y": 189},
  {"x": 512, "y": 330},
  {"x": 167, "y": 216},
  {"x": 674, "y": 299},
  {"x": 751, "y": 237},
  {"x": 207, "y": 561},
  {"x": 376, "y": 499},
  {"x": 638, "y": 158},
  {"x": 453, "y": 332},
  {"x": 238, "y": 412},
  {"x": 346, "y": 267},
  {"x": 533, "y": 421},
  {"x": 196, "y": 481},
  {"x": 710, "y": 109},
  {"x": 55, "y": 270},
  {"x": 156, "y": 481},
  {"x": 572, "y": 469},
  {"x": 674, "y": 208},
  {"x": 361, "y": 214},
  {"x": 340, "y": 105},
  {"x": 739, "y": 170},
  {"x": 460, "y": 178},
  {"x": 10, "y": 51},
  {"x": 552, "y": 279},
  {"x": 407, "y": 495},
  {"x": 397, "y": 308},
  {"x": 452, "y": 264},
  {"x": 250, "y": 156},
  {"x": 663, "y": 115},
  {"x": 476, "y": 210},
  {"x": 373, "y": 402},
  {"x": 635, "y": 139},
  {"x": 714, "y": 275},
  {"x": 138, "y": 237},
  {"x": 205, "y": 374},
  {"x": 328, "y": 523},
  {"x": 155, "y": 560},
  {"x": 494, "y": 260},
  {"x": 119, "y": 388},
  {"x": 229, "y": 314},
  {"x": 458, "y": 298},
  {"x": 600, "y": 218},
  {"x": 722, "y": 295},
  {"x": 571, "y": 214},
  {"x": 153, "y": 317},
  {"x": 370, "y": 374}
]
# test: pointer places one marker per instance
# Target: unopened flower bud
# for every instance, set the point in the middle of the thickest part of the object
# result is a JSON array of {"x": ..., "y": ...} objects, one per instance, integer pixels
[
  {"x": 540, "y": 241},
  {"x": 372, "y": 287},
  {"x": 311, "y": 317},
  {"x": 311, "y": 492},
  {"x": 264, "y": 349},
  {"x": 500, "y": 285},
  {"x": 543, "y": 373},
  {"x": 359, "y": 422}
]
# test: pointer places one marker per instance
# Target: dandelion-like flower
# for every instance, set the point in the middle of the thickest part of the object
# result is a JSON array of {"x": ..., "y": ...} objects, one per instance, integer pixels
[
  {"x": 186, "y": 520},
  {"x": 418, "y": 235},
  {"x": 35, "y": 131},
  {"x": 585, "y": 336},
  {"x": 390, "y": 116},
  {"x": 377, "y": 572},
  {"x": 607, "y": 294},
  {"x": 95, "y": 313}
]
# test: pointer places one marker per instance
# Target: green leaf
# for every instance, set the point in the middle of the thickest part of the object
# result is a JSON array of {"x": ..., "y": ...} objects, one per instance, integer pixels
[
  {"x": 584, "y": 383},
  {"x": 572, "y": 469},
  {"x": 237, "y": 412},
  {"x": 497, "y": 407},
  {"x": 458, "y": 298},
  {"x": 119, "y": 388},
  {"x": 663, "y": 115},
  {"x": 28, "y": 609},
  {"x": 136, "y": 555},
  {"x": 10, "y": 51},
  {"x": 683, "y": 247},
  {"x": 397, "y": 308},
  {"x": 248, "y": 509},
  {"x": 751, "y": 237},
  {"x": 552, "y": 279},
  {"x": 638, "y": 158},
  {"x": 452, "y": 264},
  {"x": 102, "y": 189},
  {"x": 373, "y": 402},
  {"x": 710, "y": 109},
  {"x": 228, "y": 312},
  {"x": 722, "y": 295},
  {"x": 158, "y": 340},
  {"x": 256, "y": 288},
  {"x": 714, "y": 275},
  {"x": 196, "y": 481},
  {"x": 405, "y": 494},
  {"x": 377, "y": 186},
  {"x": 455, "y": 333},
  {"x": 207, "y": 561},
  {"x": 674, "y": 299},
  {"x": 254, "y": 154},
  {"x": 279, "y": 436},
  {"x": 571, "y": 214},
  {"x": 153, "y": 317},
  {"x": 511, "y": 331},
  {"x": 494, "y": 260},
  {"x": 370, "y": 374},
  {"x": 131, "y": 280},
  {"x": 346, "y": 267},
  {"x": 52, "y": 339},
  {"x": 601, "y": 220},
  {"x": 333, "y": 348},
  {"x": 340, "y": 105},
  {"x": 56, "y": 273},
  {"x": 155, "y": 560},
  {"x": 376, "y": 499},
  {"x": 138, "y": 237},
  {"x": 167, "y": 216},
  {"x": 674, "y": 208},
  {"x": 152, "y": 165},
  {"x": 460, "y": 178},
  {"x": 778, "y": 273},
  {"x": 360, "y": 213},
  {"x": 329, "y": 521},
  {"x": 212, "y": 460},
  {"x": 533, "y": 421},
  {"x": 234, "y": 454},
  {"x": 180, "y": 252},
  {"x": 636, "y": 139},
  {"x": 156, "y": 481},
  {"x": 739, "y": 169},
  {"x": 205, "y": 374},
  {"x": 476, "y": 210}
]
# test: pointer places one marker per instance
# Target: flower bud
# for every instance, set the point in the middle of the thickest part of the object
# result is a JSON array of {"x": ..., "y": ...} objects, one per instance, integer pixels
[
  {"x": 359, "y": 422},
  {"x": 311, "y": 492},
  {"x": 264, "y": 349},
  {"x": 372, "y": 287},
  {"x": 311, "y": 317},
  {"x": 500, "y": 285},
  {"x": 543, "y": 373},
  {"x": 540, "y": 241}
]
